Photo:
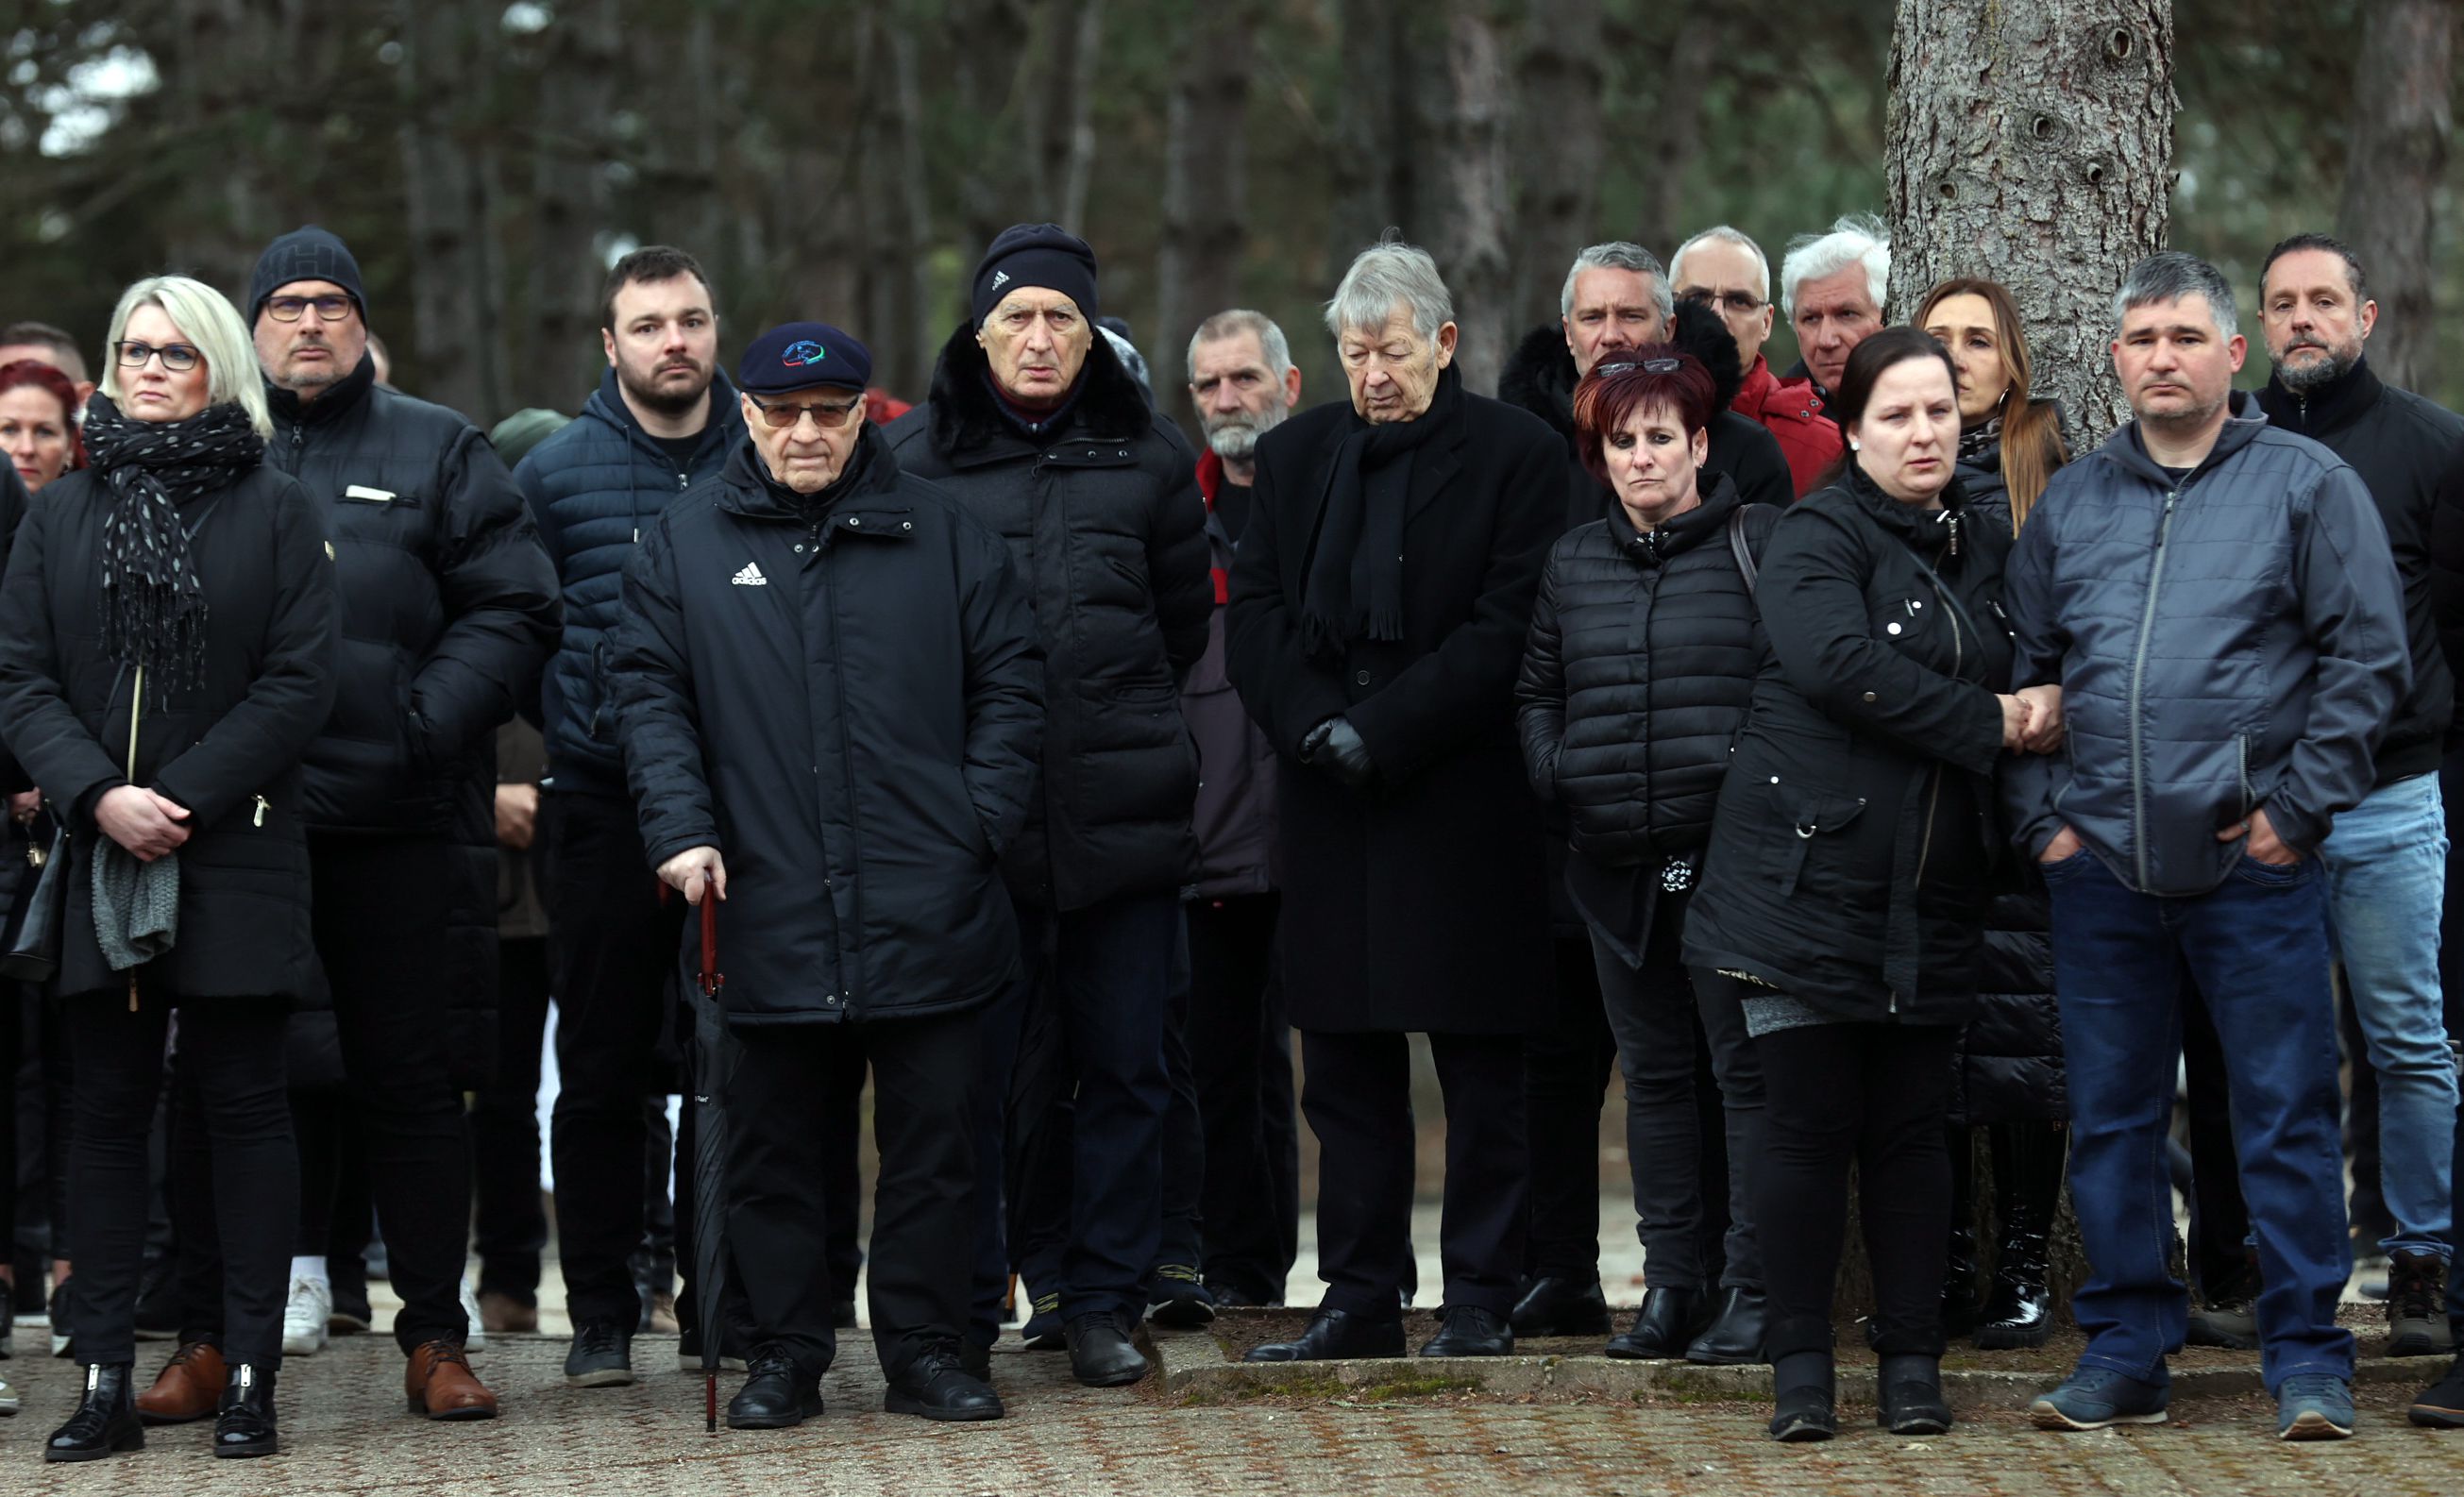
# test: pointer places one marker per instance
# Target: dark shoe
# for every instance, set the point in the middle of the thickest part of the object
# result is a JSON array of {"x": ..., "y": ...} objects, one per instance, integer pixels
[
  {"x": 437, "y": 1383},
  {"x": 938, "y": 1386},
  {"x": 2417, "y": 1305},
  {"x": 188, "y": 1388},
  {"x": 2232, "y": 1324},
  {"x": 2096, "y": 1397},
  {"x": 688, "y": 1352},
  {"x": 1909, "y": 1395},
  {"x": 1042, "y": 1330},
  {"x": 1559, "y": 1305},
  {"x": 1802, "y": 1407},
  {"x": 1100, "y": 1353},
  {"x": 500, "y": 1313},
  {"x": 1735, "y": 1337},
  {"x": 1959, "y": 1284},
  {"x": 2441, "y": 1405},
  {"x": 1469, "y": 1331},
  {"x": 106, "y": 1420},
  {"x": 2314, "y": 1406},
  {"x": 977, "y": 1360},
  {"x": 2019, "y": 1305},
  {"x": 351, "y": 1314},
  {"x": 1336, "y": 1335},
  {"x": 244, "y": 1425},
  {"x": 601, "y": 1358},
  {"x": 1176, "y": 1299},
  {"x": 843, "y": 1314},
  {"x": 775, "y": 1396},
  {"x": 1668, "y": 1322}
]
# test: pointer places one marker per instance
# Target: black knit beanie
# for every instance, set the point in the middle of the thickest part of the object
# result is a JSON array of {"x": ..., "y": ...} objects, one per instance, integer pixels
[
  {"x": 1036, "y": 255},
  {"x": 307, "y": 253}
]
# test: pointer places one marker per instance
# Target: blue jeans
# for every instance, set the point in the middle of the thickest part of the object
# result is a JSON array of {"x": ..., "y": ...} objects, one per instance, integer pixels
[
  {"x": 2387, "y": 882},
  {"x": 2256, "y": 946}
]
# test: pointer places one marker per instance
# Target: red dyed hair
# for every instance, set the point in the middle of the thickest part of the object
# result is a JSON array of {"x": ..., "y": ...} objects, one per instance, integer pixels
[
  {"x": 42, "y": 376},
  {"x": 1655, "y": 377}
]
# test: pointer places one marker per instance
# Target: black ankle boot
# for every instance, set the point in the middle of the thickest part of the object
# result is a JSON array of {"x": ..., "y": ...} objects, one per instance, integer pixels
[
  {"x": 245, "y": 1424},
  {"x": 1909, "y": 1395},
  {"x": 1801, "y": 1400},
  {"x": 2028, "y": 1159},
  {"x": 106, "y": 1420}
]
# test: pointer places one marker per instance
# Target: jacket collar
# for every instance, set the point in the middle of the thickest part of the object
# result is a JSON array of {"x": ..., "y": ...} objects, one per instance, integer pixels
[
  {"x": 1540, "y": 378},
  {"x": 1681, "y": 533},
  {"x": 724, "y": 429},
  {"x": 2244, "y": 420},
  {"x": 347, "y": 394},
  {"x": 1923, "y": 530},
  {"x": 748, "y": 491},
  {"x": 967, "y": 427},
  {"x": 2327, "y": 408},
  {"x": 1210, "y": 477}
]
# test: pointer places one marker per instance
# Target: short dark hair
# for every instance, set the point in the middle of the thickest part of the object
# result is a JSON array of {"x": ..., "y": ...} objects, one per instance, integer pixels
[
  {"x": 1655, "y": 377},
  {"x": 1878, "y": 355},
  {"x": 648, "y": 263},
  {"x": 2327, "y": 242},
  {"x": 43, "y": 335}
]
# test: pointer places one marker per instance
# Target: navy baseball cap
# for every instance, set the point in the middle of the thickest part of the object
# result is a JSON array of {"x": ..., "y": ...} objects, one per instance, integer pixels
[{"x": 798, "y": 356}]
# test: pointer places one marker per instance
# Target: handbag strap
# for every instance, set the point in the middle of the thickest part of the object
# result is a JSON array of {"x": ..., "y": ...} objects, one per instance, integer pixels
[{"x": 1737, "y": 546}]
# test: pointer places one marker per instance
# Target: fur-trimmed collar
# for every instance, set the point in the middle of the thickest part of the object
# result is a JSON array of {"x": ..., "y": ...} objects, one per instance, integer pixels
[
  {"x": 1540, "y": 375},
  {"x": 966, "y": 416}
]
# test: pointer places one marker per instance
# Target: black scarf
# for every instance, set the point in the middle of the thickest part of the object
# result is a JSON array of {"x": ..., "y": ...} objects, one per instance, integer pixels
[
  {"x": 1354, "y": 589},
  {"x": 1982, "y": 443},
  {"x": 153, "y": 609}
]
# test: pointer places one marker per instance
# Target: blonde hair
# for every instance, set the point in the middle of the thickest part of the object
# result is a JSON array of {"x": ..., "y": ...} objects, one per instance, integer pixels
[{"x": 207, "y": 318}]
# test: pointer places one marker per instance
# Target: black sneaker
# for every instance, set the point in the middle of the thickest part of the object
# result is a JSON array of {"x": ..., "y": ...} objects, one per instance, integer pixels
[
  {"x": 2417, "y": 1305},
  {"x": 1042, "y": 1330},
  {"x": 2441, "y": 1405},
  {"x": 1176, "y": 1299},
  {"x": 601, "y": 1358}
]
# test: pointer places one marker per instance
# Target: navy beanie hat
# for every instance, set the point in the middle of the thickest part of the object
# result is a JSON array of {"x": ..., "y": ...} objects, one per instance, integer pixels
[
  {"x": 798, "y": 356},
  {"x": 307, "y": 253},
  {"x": 1036, "y": 255}
]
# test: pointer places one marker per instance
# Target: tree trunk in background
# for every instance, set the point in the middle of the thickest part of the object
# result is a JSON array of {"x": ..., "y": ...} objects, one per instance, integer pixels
[
  {"x": 1558, "y": 141},
  {"x": 923, "y": 333},
  {"x": 1377, "y": 140},
  {"x": 1471, "y": 250},
  {"x": 1684, "y": 93},
  {"x": 460, "y": 358},
  {"x": 2031, "y": 140},
  {"x": 558, "y": 348},
  {"x": 1078, "y": 82},
  {"x": 1205, "y": 193},
  {"x": 2393, "y": 173}
]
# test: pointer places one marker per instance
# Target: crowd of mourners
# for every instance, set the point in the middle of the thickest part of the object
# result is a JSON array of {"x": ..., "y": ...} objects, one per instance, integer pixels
[{"x": 1875, "y": 765}]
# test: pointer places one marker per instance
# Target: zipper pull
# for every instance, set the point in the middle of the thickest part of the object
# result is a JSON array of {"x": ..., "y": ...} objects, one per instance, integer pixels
[{"x": 258, "y": 820}]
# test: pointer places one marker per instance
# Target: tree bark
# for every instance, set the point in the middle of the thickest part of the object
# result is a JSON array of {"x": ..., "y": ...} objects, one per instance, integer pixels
[
  {"x": 448, "y": 209},
  {"x": 2029, "y": 141},
  {"x": 558, "y": 341},
  {"x": 1375, "y": 165},
  {"x": 1205, "y": 191},
  {"x": 1471, "y": 251},
  {"x": 1559, "y": 149},
  {"x": 2396, "y": 164}
]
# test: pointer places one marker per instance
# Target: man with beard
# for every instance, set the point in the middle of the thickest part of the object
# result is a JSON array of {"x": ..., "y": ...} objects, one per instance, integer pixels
[
  {"x": 1242, "y": 383},
  {"x": 662, "y": 420}
]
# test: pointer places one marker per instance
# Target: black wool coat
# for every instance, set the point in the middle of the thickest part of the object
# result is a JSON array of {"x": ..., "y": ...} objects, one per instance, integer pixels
[
  {"x": 229, "y": 749},
  {"x": 1417, "y": 902},
  {"x": 1104, "y": 521},
  {"x": 1855, "y": 830},
  {"x": 845, "y": 705}
]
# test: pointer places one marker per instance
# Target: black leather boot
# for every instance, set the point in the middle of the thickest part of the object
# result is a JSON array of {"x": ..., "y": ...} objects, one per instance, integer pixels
[
  {"x": 106, "y": 1420},
  {"x": 1556, "y": 1305},
  {"x": 938, "y": 1385},
  {"x": 2028, "y": 1159},
  {"x": 1909, "y": 1395},
  {"x": 1469, "y": 1331},
  {"x": 1801, "y": 1398},
  {"x": 1735, "y": 1337},
  {"x": 1668, "y": 1322},
  {"x": 1335, "y": 1334},
  {"x": 245, "y": 1424},
  {"x": 775, "y": 1395}
]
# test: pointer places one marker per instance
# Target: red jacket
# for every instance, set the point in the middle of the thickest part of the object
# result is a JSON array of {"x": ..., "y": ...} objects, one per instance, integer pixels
[{"x": 1790, "y": 408}]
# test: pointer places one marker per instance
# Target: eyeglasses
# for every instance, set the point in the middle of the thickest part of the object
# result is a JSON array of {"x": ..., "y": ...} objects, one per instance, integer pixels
[
  {"x": 178, "y": 358},
  {"x": 1737, "y": 303},
  {"x": 1647, "y": 367},
  {"x": 287, "y": 309},
  {"x": 826, "y": 413}
]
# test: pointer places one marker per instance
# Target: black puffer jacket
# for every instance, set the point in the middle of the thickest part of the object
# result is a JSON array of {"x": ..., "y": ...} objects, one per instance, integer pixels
[
  {"x": 844, "y": 703},
  {"x": 1635, "y": 678},
  {"x": 228, "y": 749},
  {"x": 1855, "y": 830},
  {"x": 1104, "y": 521}
]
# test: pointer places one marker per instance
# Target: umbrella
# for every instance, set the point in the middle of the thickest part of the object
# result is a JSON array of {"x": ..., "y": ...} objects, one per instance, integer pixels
[{"x": 712, "y": 1056}]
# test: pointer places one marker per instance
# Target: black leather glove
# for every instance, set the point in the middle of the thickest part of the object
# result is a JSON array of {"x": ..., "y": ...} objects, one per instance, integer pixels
[{"x": 1334, "y": 747}]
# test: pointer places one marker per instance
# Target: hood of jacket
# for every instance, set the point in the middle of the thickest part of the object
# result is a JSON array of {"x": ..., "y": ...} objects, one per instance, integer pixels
[{"x": 2244, "y": 420}]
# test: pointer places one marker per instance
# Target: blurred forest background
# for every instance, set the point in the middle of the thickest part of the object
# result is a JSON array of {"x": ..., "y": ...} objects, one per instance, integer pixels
[{"x": 848, "y": 161}]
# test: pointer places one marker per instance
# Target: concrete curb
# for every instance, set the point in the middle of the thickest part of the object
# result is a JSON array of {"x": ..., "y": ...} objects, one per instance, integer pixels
[{"x": 1194, "y": 1371}]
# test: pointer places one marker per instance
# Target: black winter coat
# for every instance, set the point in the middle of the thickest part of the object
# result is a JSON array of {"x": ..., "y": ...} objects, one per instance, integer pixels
[
  {"x": 228, "y": 749},
  {"x": 1419, "y": 901},
  {"x": 2401, "y": 445},
  {"x": 1855, "y": 830},
  {"x": 846, "y": 706},
  {"x": 1105, "y": 523}
]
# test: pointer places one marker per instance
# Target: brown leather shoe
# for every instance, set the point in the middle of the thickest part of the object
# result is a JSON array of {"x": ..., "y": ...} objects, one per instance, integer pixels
[
  {"x": 438, "y": 1383},
  {"x": 503, "y": 1312},
  {"x": 188, "y": 1388}
]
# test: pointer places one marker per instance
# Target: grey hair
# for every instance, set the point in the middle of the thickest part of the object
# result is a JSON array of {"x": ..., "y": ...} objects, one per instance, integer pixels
[
  {"x": 1619, "y": 254},
  {"x": 1853, "y": 239},
  {"x": 1272, "y": 342},
  {"x": 2169, "y": 275},
  {"x": 207, "y": 318},
  {"x": 1387, "y": 271},
  {"x": 1724, "y": 235}
]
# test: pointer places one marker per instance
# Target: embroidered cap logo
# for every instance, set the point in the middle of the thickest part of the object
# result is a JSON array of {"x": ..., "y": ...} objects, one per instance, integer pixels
[{"x": 803, "y": 354}]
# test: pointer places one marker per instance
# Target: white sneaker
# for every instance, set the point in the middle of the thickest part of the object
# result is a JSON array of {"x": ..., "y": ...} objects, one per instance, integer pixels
[
  {"x": 477, "y": 1339},
  {"x": 304, "y": 1317},
  {"x": 8, "y": 1398}
]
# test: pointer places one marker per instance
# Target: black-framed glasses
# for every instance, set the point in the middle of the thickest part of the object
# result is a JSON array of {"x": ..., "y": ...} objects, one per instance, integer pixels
[
  {"x": 1736, "y": 303},
  {"x": 1646, "y": 365},
  {"x": 826, "y": 413},
  {"x": 178, "y": 358},
  {"x": 287, "y": 309}
]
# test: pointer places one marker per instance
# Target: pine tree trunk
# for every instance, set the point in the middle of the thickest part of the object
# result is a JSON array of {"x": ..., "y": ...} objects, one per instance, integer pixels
[
  {"x": 1472, "y": 251},
  {"x": 449, "y": 201},
  {"x": 2029, "y": 141},
  {"x": 2393, "y": 174},
  {"x": 1559, "y": 149},
  {"x": 568, "y": 211},
  {"x": 1205, "y": 192}
]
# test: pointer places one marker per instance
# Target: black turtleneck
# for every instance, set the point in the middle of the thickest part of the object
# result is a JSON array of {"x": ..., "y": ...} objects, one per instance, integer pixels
[{"x": 338, "y": 397}]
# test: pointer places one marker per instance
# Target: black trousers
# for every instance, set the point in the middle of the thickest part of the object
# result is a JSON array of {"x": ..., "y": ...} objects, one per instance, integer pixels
[
  {"x": 923, "y": 1235},
  {"x": 616, "y": 947},
  {"x": 1179, "y": 1239},
  {"x": 1356, "y": 1093},
  {"x": 1240, "y": 1049},
  {"x": 842, "y": 1179},
  {"x": 231, "y": 1054},
  {"x": 1879, "y": 1094},
  {"x": 509, "y": 1224}
]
